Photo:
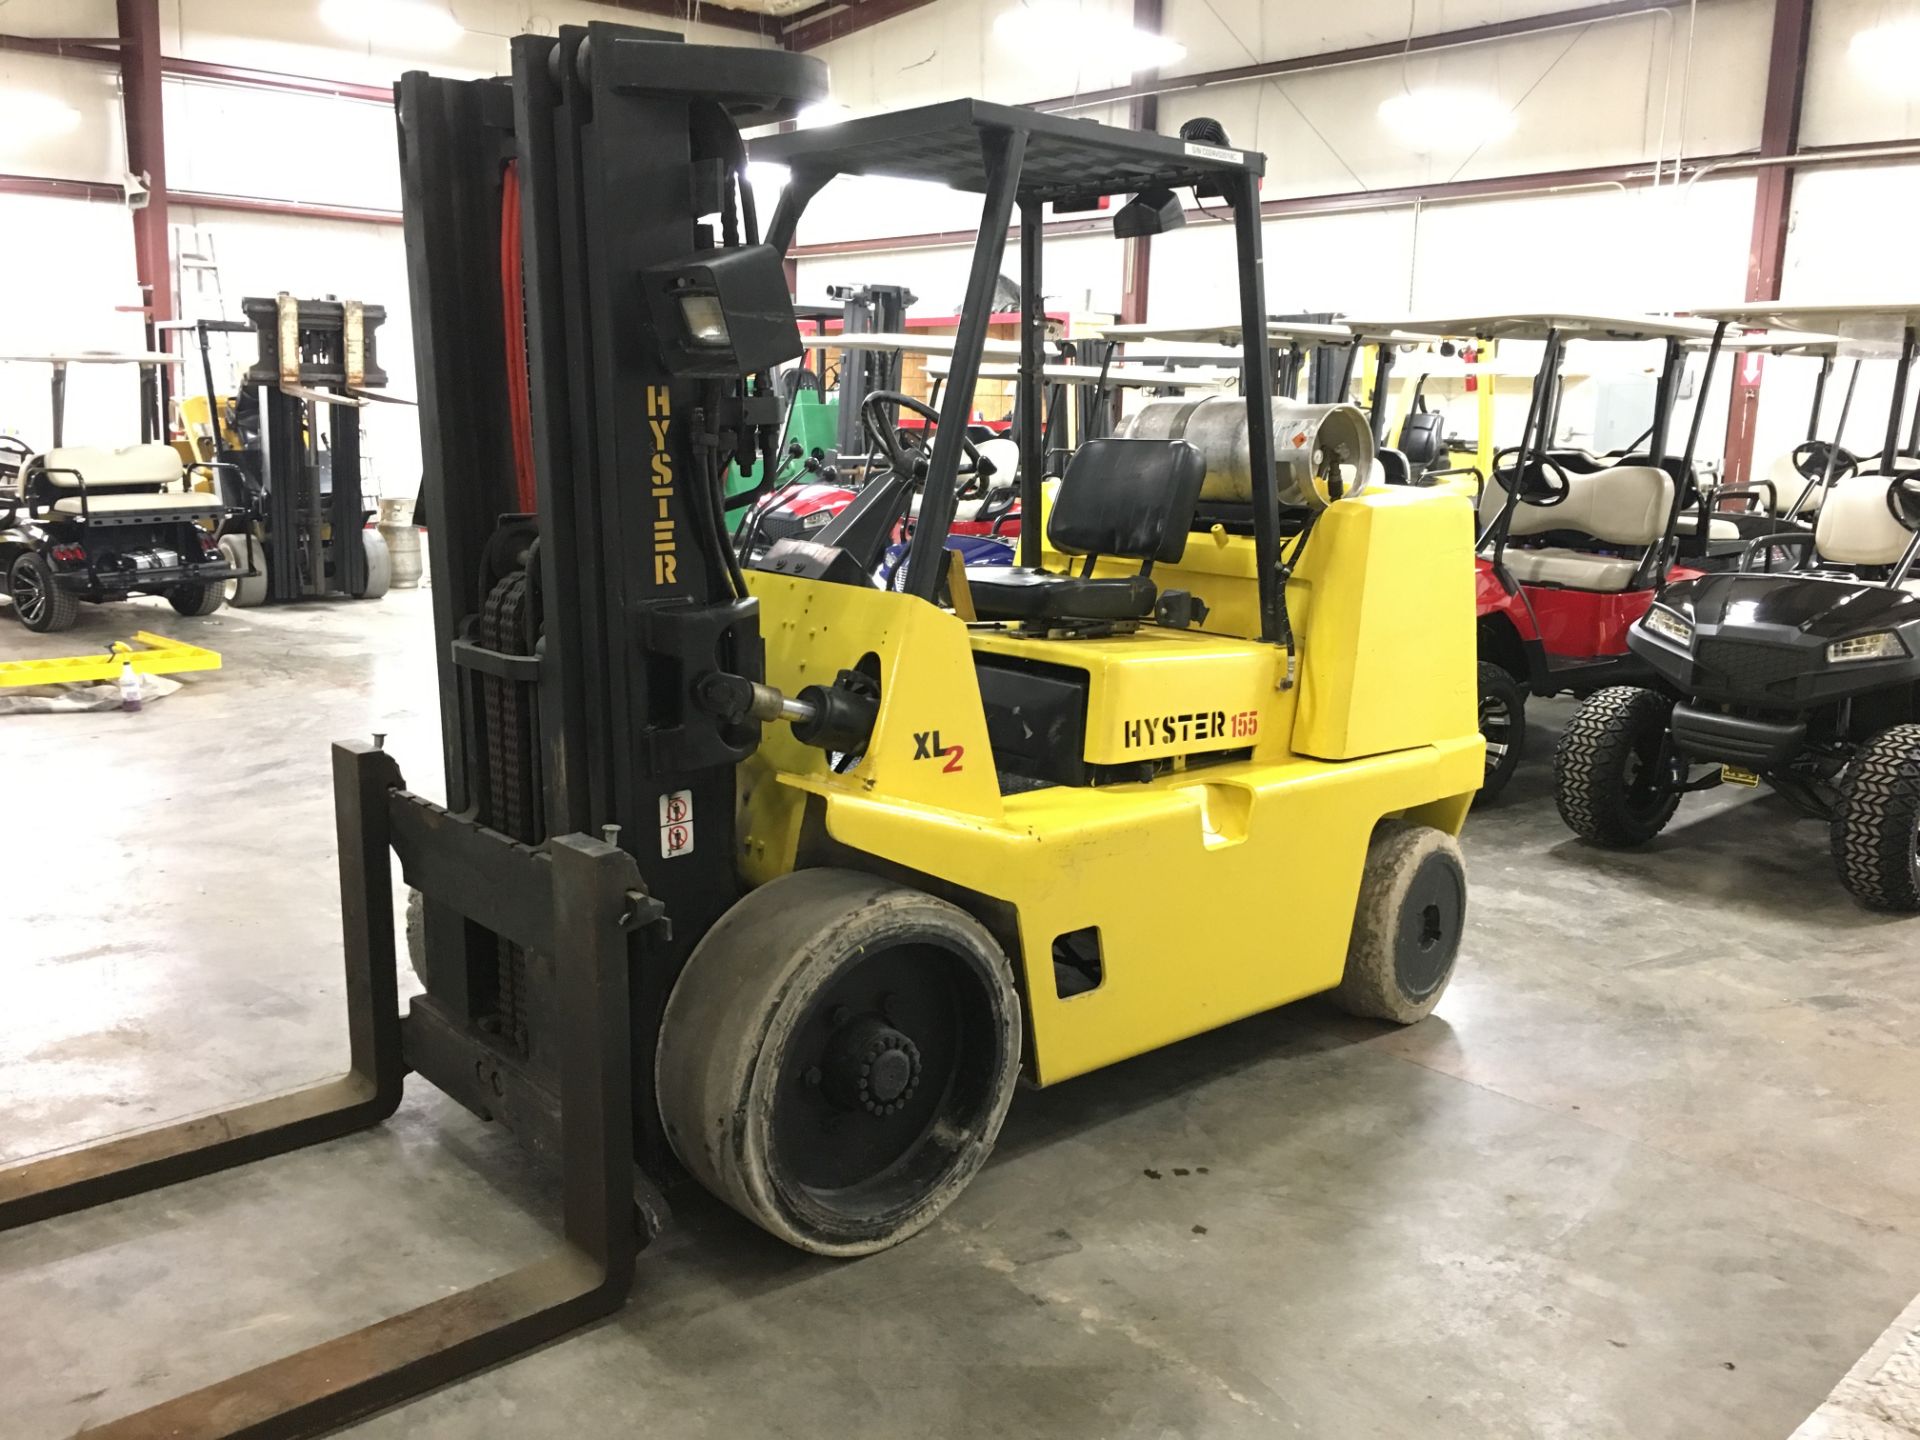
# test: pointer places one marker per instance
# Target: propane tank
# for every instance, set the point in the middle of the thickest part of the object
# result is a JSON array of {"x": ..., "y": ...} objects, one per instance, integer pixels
[{"x": 1322, "y": 452}]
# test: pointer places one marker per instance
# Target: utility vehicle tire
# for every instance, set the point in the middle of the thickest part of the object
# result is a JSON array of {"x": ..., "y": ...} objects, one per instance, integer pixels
[
  {"x": 1407, "y": 925},
  {"x": 1503, "y": 725},
  {"x": 837, "y": 1057},
  {"x": 40, "y": 602},
  {"x": 1612, "y": 778},
  {"x": 198, "y": 599},
  {"x": 379, "y": 565},
  {"x": 245, "y": 591},
  {"x": 1875, "y": 832}
]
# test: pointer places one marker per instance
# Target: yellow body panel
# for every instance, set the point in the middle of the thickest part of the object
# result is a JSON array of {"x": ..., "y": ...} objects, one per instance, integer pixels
[
  {"x": 161, "y": 657},
  {"x": 1225, "y": 884}
]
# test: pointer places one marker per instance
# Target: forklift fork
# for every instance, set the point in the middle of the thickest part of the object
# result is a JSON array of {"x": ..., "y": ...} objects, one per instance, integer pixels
[{"x": 585, "y": 900}]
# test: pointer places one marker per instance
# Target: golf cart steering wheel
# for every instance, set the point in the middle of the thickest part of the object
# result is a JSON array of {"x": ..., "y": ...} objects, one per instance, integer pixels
[
  {"x": 1810, "y": 460},
  {"x": 1903, "y": 499},
  {"x": 912, "y": 460},
  {"x": 1548, "y": 486}
]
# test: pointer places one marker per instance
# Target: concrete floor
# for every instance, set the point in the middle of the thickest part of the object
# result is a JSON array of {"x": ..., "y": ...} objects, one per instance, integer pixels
[{"x": 1650, "y": 1171}]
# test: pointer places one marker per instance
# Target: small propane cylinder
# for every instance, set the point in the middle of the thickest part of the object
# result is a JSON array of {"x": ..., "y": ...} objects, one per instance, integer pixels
[{"x": 1322, "y": 452}]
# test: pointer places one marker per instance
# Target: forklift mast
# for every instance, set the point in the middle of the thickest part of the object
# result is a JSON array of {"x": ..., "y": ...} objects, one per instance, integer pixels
[{"x": 570, "y": 635}]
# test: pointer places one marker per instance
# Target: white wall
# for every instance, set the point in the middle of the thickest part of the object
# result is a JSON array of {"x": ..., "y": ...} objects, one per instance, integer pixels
[{"x": 70, "y": 262}]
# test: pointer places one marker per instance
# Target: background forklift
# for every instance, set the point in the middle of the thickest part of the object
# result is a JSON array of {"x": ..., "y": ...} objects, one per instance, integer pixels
[
  {"x": 763, "y": 876},
  {"x": 291, "y": 433}
]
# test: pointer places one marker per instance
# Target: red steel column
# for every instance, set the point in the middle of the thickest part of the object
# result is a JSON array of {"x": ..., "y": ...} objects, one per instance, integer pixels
[
  {"x": 1772, "y": 205},
  {"x": 146, "y": 148}
]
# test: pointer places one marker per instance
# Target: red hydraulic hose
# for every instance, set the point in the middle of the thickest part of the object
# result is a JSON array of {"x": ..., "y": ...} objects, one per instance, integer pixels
[{"x": 513, "y": 304}]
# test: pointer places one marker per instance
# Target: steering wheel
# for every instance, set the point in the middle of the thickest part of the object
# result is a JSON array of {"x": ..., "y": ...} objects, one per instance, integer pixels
[
  {"x": 1810, "y": 460},
  {"x": 911, "y": 459},
  {"x": 1903, "y": 499},
  {"x": 1546, "y": 486}
]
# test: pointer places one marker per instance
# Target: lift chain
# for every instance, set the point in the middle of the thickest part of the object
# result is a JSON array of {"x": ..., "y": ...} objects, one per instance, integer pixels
[{"x": 511, "y": 806}]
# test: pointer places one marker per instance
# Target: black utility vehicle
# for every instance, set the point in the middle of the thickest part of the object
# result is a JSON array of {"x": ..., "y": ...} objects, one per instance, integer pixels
[{"x": 1800, "y": 669}]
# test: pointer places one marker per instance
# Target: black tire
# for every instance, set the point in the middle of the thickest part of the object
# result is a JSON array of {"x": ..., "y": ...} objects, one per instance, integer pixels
[
  {"x": 40, "y": 602},
  {"x": 1875, "y": 832},
  {"x": 837, "y": 1057},
  {"x": 245, "y": 591},
  {"x": 1613, "y": 776},
  {"x": 1503, "y": 725},
  {"x": 198, "y": 599},
  {"x": 1407, "y": 925}
]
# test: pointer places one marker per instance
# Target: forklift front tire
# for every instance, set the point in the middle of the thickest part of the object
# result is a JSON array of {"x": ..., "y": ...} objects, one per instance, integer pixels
[
  {"x": 245, "y": 591},
  {"x": 1613, "y": 774},
  {"x": 1407, "y": 924},
  {"x": 379, "y": 565},
  {"x": 1875, "y": 833},
  {"x": 837, "y": 1057}
]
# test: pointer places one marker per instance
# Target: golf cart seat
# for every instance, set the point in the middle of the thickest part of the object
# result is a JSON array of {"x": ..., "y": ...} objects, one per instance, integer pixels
[
  {"x": 1004, "y": 456},
  {"x": 1622, "y": 506},
  {"x": 76, "y": 480},
  {"x": 1130, "y": 499},
  {"x": 1856, "y": 525}
]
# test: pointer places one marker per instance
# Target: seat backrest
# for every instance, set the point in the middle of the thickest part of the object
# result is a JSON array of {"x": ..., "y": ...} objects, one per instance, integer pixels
[
  {"x": 1130, "y": 498},
  {"x": 1856, "y": 527},
  {"x": 134, "y": 468},
  {"x": 1621, "y": 505},
  {"x": 1004, "y": 455},
  {"x": 1423, "y": 438}
]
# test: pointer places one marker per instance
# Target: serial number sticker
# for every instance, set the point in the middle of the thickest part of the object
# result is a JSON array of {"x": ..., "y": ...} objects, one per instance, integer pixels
[
  {"x": 1214, "y": 152},
  {"x": 1734, "y": 775}
]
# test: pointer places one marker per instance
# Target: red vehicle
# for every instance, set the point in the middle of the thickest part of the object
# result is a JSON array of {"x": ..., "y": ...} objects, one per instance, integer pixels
[{"x": 1573, "y": 545}]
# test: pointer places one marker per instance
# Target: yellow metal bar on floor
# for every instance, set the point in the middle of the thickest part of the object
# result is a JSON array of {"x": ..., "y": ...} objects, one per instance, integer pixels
[{"x": 160, "y": 657}]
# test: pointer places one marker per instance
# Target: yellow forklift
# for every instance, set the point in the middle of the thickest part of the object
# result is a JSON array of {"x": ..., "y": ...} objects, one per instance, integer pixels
[{"x": 774, "y": 878}]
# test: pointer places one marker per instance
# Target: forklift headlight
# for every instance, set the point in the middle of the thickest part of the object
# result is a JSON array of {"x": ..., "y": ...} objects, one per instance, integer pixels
[
  {"x": 1675, "y": 627},
  {"x": 706, "y": 320},
  {"x": 1881, "y": 645}
]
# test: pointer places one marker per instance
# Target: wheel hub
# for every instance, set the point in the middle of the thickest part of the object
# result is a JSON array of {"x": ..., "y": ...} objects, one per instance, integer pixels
[{"x": 870, "y": 1066}]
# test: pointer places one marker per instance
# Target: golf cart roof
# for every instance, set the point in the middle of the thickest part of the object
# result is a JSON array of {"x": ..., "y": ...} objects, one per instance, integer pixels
[
  {"x": 1228, "y": 333},
  {"x": 906, "y": 344},
  {"x": 1535, "y": 324},
  {"x": 1835, "y": 319},
  {"x": 1140, "y": 377},
  {"x": 1064, "y": 158},
  {"x": 1775, "y": 342}
]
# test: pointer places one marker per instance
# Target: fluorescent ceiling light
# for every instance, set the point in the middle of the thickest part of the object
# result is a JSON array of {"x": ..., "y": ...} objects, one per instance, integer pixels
[
  {"x": 1434, "y": 118},
  {"x": 826, "y": 112},
  {"x": 1046, "y": 31},
  {"x": 34, "y": 115},
  {"x": 396, "y": 24},
  {"x": 1889, "y": 55}
]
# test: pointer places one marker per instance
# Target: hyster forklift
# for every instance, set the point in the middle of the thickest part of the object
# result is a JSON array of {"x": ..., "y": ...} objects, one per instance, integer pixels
[
  {"x": 778, "y": 878},
  {"x": 1805, "y": 675}
]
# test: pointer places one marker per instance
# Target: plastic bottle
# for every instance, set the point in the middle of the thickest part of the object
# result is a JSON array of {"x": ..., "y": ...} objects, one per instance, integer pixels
[{"x": 129, "y": 687}]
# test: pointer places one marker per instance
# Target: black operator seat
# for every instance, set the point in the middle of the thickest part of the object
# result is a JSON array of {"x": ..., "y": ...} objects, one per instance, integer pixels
[{"x": 1133, "y": 499}]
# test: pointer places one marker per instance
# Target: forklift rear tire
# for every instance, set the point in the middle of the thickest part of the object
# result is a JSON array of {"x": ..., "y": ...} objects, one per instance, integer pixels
[
  {"x": 245, "y": 591},
  {"x": 198, "y": 599},
  {"x": 1407, "y": 925},
  {"x": 379, "y": 565},
  {"x": 1613, "y": 774},
  {"x": 1875, "y": 832},
  {"x": 837, "y": 1057},
  {"x": 40, "y": 602},
  {"x": 1503, "y": 725}
]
